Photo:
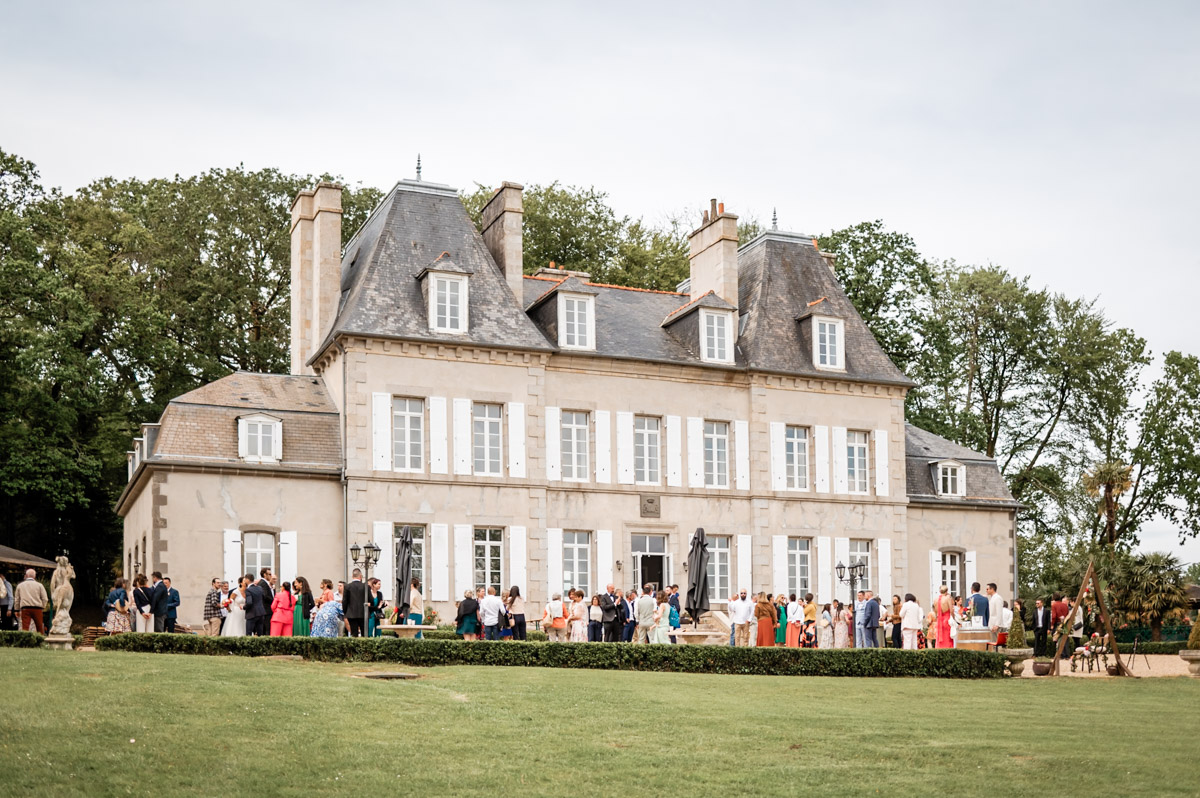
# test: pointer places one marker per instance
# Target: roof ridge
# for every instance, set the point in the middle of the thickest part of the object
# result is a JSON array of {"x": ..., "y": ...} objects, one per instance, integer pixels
[{"x": 634, "y": 288}]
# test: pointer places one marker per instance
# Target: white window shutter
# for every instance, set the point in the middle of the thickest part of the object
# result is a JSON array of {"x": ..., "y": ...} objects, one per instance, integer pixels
[
  {"x": 695, "y": 452},
  {"x": 381, "y": 431},
  {"x": 516, "y": 443},
  {"x": 741, "y": 453},
  {"x": 840, "y": 482},
  {"x": 232, "y": 554},
  {"x": 553, "y": 444},
  {"x": 463, "y": 459},
  {"x": 821, "y": 439},
  {"x": 277, "y": 442},
  {"x": 674, "y": 452},
  {"x": 604, "y": 558},
  {"x": 935, "y": 574},
  {"x": 882, "y": 463},
  {"x": 745, "y": 565},
  {"x": 824, "y": 570},
  {"x": 464, "y": 563},
  {"x": 841, "y": 553},
  {"x": 778, "y": 457},
  {"x": 241, "y": 442},
  {"x": 437, "y": 437},
  {"x": 884, "y": 547},
  {"x": 554, "y": 566},
  {"x": 289, "y": 555},
  {"x": 779, "y": 570},
  {"x": 603, "y": 447},
  {"x": 439, "y": 562},
  {"x": 518, "y": 558},
  {"x": 972, "y": 574},
  {"x": 625, "y": 473},
  {"x": 382, "y": 535}
]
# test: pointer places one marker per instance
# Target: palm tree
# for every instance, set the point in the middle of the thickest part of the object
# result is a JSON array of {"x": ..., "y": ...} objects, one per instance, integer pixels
[{"x": 1151, "y": 588}]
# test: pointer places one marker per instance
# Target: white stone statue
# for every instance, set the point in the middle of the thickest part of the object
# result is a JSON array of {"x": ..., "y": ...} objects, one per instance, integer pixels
[{"x": 63, "y": 595}]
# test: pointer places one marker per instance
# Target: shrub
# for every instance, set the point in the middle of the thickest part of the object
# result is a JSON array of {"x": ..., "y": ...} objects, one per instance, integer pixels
[
  {"x": 1194, "y": 639},
  {"x": 944, "y": 663},
  {"x": 20, "y": 640},
  {"x": 1147, "y": 647},
  {"x": 1016, "y": 633}
]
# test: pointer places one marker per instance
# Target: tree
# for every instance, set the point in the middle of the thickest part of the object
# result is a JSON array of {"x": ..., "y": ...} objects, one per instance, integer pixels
[
  {"x": 1151, "y": 590},
  {"x": 1192, "y": 575}
]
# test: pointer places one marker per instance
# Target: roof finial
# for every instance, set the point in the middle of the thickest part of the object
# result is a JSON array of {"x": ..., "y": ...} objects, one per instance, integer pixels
[
  {"x": 418, "y": 167},
  {"x": 774, "y": 220}
]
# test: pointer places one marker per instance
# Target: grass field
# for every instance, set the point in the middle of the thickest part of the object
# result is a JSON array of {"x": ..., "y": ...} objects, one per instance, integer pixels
[{"x": 142, "y": 724}]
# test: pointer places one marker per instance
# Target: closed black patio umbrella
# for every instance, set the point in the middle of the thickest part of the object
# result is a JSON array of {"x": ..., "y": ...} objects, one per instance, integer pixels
[
  {"x": 404, "y": 547},
  {"x": 697, "y": 565}
]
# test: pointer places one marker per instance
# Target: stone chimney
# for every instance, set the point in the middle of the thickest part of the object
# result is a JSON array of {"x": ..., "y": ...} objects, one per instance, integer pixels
[
  {"x": 712, "y": 255},
  {"x": 316, "y": 269},
  {"x": 501, "y": 219}
]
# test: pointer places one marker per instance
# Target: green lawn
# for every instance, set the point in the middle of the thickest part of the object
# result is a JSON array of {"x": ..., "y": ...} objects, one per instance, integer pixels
[{"x": 143, "y": 724}]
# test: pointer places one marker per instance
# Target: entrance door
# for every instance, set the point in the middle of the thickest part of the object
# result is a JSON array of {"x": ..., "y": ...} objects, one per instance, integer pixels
[
  {"x": 651, "y": 562},
  {"x": 653, "y": 571}
]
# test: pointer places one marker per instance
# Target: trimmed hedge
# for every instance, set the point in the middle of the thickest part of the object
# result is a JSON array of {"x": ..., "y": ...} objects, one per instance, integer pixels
[
  {"x": 1149, "y": 647},
  {"x": 20, "y": 640},
  {"x": 534, "y": 635},
  {"x": 945, "y": 664}
]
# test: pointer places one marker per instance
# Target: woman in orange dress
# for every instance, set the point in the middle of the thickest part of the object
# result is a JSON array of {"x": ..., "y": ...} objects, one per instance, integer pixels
[
  {"x": 768, "y": 619},
  {"x": 943, "y": 606},
  {"x": 795, "y": 622}
]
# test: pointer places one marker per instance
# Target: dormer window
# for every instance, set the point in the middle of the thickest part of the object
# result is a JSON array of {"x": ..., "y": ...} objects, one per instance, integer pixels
[
  {"x": 716, "y": 336},
  {"x": 829, "y": 348},
  {"x": 260, "y": 439},
  {"x": 951, "y": 479},
  {"x": 577, "y": 321},
  {"x": 448, "y": 303}
]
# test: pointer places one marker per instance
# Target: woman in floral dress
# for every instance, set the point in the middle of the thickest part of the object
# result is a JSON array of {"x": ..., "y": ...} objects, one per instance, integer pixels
[
  {"x": 117, "y": 619},
  {"x": 578, "y": 618},
  {"x": 329, "y": 618},
  {"x": 825, "y": 629}
]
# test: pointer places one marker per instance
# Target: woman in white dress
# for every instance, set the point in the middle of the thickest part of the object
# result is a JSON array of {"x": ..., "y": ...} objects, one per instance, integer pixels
[
  {"x": 143, "y": 621},
  {"x": 235, "y": 623}
]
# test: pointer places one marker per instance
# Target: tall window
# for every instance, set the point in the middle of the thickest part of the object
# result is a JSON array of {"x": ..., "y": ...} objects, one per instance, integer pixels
[
  {"x": 861, "y": 550},
  {"x": 828, "y": 344},
  {"x": 448, "y": 300},
  {"x": 577, "y": 562},
  {"x": 950, "y": 565},
  {"x": 259, "y": 440},
  {"x": 418, "y": 552},
  {"x": 577, "y": 323},
  {"x": 795, "y": 440},
  {"x": 489, "y": 542},
  {"x": 950, "y": 479},
  {"x": 646, "y": 450},
  {"x": 797, "y": 565},
  {"x": 714, "y": 331},
  {"x": 718, "y": 569},
  {"x": 716, "y": 454},
  {"x": 408, "y": 434},
  {"x": 258, "y": 551},
  {"x": 487, "y": 438},
  {"x": 574, "y": 446},
  {"x": 856, "y": 462}
]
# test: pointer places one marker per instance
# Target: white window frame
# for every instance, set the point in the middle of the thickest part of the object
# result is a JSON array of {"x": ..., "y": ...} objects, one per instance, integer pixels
[
  {"x": 858, "y": 462},
  {"x": 420, "y": 553},
  {"x": 459, "y": 280},
  {"x": 953, "y": 570},
  {"x": 716, "y": 454},
  {"x": 795, "y": 457},
  {"x": 860, "y": 549},
  {"x": 647, "y": 450},
  {"x": 832, "y": 359},
  {"x": 252, "y": 544},
  {"x": 799, "y": 562},
  {"x": 951, "y": 470},
  {"x": 412, "y": 416},
  {"x": 250, "y": 428},
  {"x": 720, "y": 565},
  {"x": 483, "y": 428},
  {"x": 575, "y": 439},
  {"x": 492, "y": 546},
  {"x": 577, "y": 561},
  {"x": 722, "y": 323},
  {"x": 570, "y": 334}
]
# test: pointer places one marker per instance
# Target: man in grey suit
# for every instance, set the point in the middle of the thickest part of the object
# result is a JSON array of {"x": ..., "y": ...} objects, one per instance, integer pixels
[
  {"x": 644, "y": 610},
  {"x": 860, "y": 604}
]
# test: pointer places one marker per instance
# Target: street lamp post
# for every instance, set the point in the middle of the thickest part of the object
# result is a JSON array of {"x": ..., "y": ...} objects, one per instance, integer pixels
[
  {"x": 856, "y": 570},
  {"x": 365, "y": 556}
]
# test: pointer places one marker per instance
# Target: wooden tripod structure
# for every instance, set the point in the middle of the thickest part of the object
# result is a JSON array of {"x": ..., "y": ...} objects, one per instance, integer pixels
[{"x": 1110, "y": 640}]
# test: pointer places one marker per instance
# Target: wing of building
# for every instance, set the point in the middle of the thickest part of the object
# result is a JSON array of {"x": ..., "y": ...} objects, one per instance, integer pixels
[{"x": 550, "y": 432}]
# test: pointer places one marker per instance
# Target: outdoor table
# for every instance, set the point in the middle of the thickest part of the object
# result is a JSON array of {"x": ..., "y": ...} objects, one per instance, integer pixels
[
  {"x": 404, "y": 630},
  {"x": 693, "y": 638}
]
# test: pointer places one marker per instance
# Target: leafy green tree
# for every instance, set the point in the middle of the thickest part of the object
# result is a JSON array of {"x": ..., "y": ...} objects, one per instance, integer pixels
[{"x": 1151, "y": 589}]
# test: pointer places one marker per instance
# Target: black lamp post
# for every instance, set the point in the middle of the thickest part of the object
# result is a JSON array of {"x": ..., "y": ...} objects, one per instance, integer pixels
[
  {"x": 856, "y": 570},
  {"x": 366, "y": 556}
]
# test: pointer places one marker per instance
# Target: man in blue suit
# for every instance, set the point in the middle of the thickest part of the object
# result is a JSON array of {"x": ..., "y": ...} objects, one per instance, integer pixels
[
  {"x": 979, "y": 604},
  {"x": 870, "y": 622},
  {"x": 158, "y": 602},
  {"x": 172, "y": 604}
]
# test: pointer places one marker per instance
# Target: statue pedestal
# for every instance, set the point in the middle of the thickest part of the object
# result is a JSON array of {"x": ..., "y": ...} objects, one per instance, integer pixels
[{"x": 60, "y": 642}]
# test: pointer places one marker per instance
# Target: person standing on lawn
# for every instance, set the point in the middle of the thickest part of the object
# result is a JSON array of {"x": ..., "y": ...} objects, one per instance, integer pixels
[
  {"x": 909, "y": 622},
  {"x": 158, "y": 601},
  {"x": 741, "y": 614},
  {"x": 416, "y": 606},
  {"x": 516, "y": 611},
  {"x": 212, "y": 609},
  {"x": 978, "y": 605},
  {"x": 467, "y": 620},
  {"x": 301, "y": 625},
  {"x": 283, "y": 614},
  {"x": 256, "y": 607},
  {"x": 870, "y": 624},
  {"x": 766, "y": 619},
  {"x": 630, "y": 627},
  {"x": 1041, "y": 628},
  {"x": 491, "y": 611},
  {"x": 644, "y": 610},
  {"x": 860, "y": 604},
  {"x": 596, "y": 627},
  {"x": 995, "y": 620},
  {"x": 610, "y": 609},
  {"x": 352, "y": 604},
  {"x": 172, "y": 606},
  {"x": 6, "y": 603}
]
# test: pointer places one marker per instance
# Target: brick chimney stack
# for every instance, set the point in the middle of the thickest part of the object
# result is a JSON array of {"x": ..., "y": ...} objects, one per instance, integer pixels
[
  {"x": 501, "y": 219},
  {"x": 316, "y": 269},
  {"x": 713, "y": 255}
]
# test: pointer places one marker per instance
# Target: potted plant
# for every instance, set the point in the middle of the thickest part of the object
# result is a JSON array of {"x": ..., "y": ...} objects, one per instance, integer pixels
[
  {"x": 1191, "y": 654},
  {"x": 1015, "y": 649}
]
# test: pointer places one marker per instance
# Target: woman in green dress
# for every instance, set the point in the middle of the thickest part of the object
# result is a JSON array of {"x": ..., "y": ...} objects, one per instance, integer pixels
[
  {"x": 304, "y": 607},
  {"x": 781, "y": 602}
]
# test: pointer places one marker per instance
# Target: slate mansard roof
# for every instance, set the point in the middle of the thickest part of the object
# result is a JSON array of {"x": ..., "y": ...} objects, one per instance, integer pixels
[{"x": 923, "y": 450}]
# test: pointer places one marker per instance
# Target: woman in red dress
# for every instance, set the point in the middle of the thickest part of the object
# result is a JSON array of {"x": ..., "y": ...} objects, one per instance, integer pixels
[{"x": 943, "y": 606}]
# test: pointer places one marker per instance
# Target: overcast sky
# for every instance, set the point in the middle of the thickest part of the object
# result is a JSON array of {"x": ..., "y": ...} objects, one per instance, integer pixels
[{"x": 1058, "y": 140}]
